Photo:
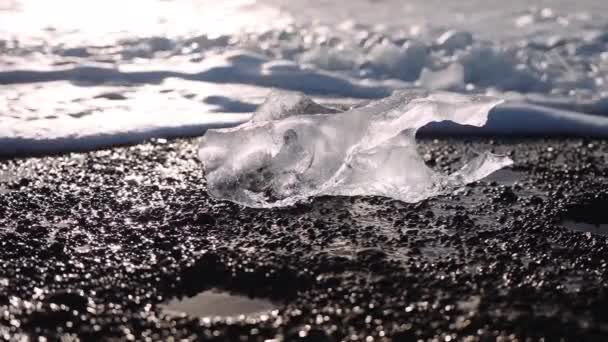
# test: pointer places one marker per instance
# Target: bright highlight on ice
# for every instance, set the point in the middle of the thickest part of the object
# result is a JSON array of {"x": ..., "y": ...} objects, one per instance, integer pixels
[{"x": 278, "y": 160}]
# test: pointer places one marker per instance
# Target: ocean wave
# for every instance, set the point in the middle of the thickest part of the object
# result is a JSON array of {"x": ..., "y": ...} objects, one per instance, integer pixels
[{"x": 550, "y": 64}]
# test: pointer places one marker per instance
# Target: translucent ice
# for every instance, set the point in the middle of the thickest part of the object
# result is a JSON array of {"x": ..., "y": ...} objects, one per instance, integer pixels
[
  {"x": 282, "y": 104},
  {"x": 369, "y": 150}
]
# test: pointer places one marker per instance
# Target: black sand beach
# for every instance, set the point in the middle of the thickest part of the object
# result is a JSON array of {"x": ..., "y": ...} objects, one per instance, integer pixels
[{"x": 93, "y": 245}]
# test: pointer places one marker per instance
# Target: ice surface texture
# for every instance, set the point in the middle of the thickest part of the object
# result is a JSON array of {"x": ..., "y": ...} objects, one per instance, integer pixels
[{"x": 369, "y": 150}]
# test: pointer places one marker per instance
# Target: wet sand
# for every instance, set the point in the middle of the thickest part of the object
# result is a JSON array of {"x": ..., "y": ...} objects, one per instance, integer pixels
[{"x": 95, "y": 245}]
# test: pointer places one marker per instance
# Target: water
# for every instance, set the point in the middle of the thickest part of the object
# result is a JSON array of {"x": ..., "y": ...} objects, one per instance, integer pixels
[
  {"x": 80, "y": 76},
  {"x": 587, "y": 216},
  {"x": 217, "y": 303},
  {"x": 505, "y": 176},
  {"x": 585, "y": 227}
]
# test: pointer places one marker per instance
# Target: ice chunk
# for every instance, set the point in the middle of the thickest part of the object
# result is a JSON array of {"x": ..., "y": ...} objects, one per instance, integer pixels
[
  {"x": 281, "y": 104},
  {"x": 369, "y": 150}
]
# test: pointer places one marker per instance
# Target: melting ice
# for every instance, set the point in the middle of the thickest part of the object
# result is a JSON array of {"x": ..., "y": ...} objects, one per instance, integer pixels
[{"x": 279, "y": 160}]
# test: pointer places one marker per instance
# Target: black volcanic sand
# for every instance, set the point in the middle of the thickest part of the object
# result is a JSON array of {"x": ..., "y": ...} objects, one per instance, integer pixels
[{"x": 92, "y": 245}]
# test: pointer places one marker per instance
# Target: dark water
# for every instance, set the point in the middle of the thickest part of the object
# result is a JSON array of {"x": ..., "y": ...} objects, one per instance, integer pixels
[
  {"x": 578, "y": 226},
  {"x": 505, "y": 176}
]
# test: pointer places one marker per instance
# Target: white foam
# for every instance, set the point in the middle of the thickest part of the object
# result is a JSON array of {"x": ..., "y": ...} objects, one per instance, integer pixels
[
  {"x": 115, "y": 126},
  {"x": 449, "y": 78},
  {"x": 514, "y": 119},
  {"x": 67, "y": 134},
  {"x": 550, "y": 63},
  {"x": 403, "y": 62}
]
